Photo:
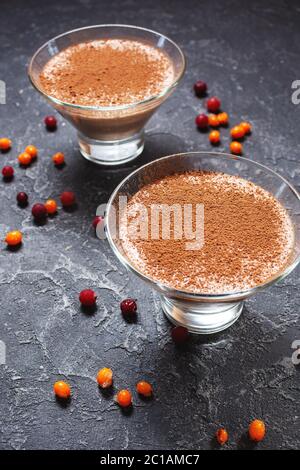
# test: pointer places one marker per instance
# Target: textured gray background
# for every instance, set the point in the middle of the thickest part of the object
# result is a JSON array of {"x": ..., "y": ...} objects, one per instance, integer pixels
[{"x": 248, "y": 52}]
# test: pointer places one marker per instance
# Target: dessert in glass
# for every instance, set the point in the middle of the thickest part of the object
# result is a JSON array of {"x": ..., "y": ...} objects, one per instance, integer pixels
[
  {"x": 107, "y": 81},
  {"x": 232, "y": 228}
]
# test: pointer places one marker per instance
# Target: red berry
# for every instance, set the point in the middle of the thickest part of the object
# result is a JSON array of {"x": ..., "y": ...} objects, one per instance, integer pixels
[
  {"x": 39, "y": 211},
  {"x": 22, "y": 198},
  {"x": 179, "y": 334},
  {"x": 200, "y": 88},
  {"x": 201, "y": 121},
  {"x": 128, "y": 306},
  {"x": 87, "y": 297},
  {"x": 97, "y": 220},
  {"x": 50, "y": 123},
  {"x": 7, "y": 172},
  {"x": 67, "y": 198},
  {"x": 213, "y": 104}
]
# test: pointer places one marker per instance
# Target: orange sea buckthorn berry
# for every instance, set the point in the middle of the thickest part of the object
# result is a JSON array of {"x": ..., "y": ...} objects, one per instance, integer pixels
[
  {"x": 124, "y": 398},
  {"x": 214, "y": 137},
  {"x": 246, "y": 126},
  {"x": 51, "y": 206},
  {"x": 24, "y": 159},
  {"x": 213, "y": 120},
  {"x": 32, "y": 150},
  {"x": 58, "y": 159},
  {"x": 62, "y": 389},
  {"x": 257, "y": 430},
  {"x": 5, "y": 143},
  {"x": 13, "y": 238},
  {"x": 236, "y": 148},
  {"x": 237, "y": 132},
  {"x": 105, "y": 377},
  {"x": 222, "y": 436},
  {"x": 223, "y": 119},
  {"x": 144, "y": 388}
]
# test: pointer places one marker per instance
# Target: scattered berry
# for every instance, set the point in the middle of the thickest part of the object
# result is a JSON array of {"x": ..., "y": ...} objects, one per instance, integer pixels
[
  {"x": 32, "y": 150},
  {"x": 237, "y": 132},
  {"x": 5, "y": 144},
  {"x": 223, "y": 119},
  {"x": 201, "y": 121},
  {"x": 222, "y": 436},
  {"x": 144, "y": 388},
  {"x": 22, "y": 198},
  {"x": 13, "y": 238},
  {"x": 97, "y": 221},
  {"x": 236, "y": 148},
  {"x": 67, "y": 198},
  {"x": 200, "y": 88},
  {"x": 213, "y": 104},
  {"x": 128, "y": 306},
  {"x": 246, "y": 126},
  {"x": 62, "y": 390},
  {"x": 214, "y": 137},
  {"x": 179, "y": 334},
  {"x": 51, "y": 206},
  {"x": 87, "y": 298},
  {"x": 213, "y": 120},
  {"x": 50, "y": 123},
  {"x": 39, "y": 211},
  {"x": 7, "y": 172},
  {"x": 124, "y": 398},
  {"x": 257, "y": 430},
  {"x": 105, "y": 377},
  {"x": 24, "y": 159},
  {"x": 58, "y": 159}
]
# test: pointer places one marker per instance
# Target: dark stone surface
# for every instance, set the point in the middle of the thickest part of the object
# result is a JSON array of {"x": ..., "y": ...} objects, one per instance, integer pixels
[{"x": 248, "y": 52}]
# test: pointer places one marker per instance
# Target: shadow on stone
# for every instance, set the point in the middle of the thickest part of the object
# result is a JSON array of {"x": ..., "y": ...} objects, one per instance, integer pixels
[
  {"x": 89, "y": 311},
  {"x": 107, "y": 393},
  {"x": 15, "y": 248},
  {"x": 245, "y": 443},
  {"x": 63, "y": 402}
]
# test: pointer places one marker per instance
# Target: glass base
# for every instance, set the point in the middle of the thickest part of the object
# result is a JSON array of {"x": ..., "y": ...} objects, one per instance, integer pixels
[
  {"x": 199, "y": 317},
  {"x": 111, "y": 152}
]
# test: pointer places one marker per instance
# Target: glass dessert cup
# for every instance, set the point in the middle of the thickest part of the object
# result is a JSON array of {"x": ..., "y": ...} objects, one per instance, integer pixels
[
  {"x": 108, "y": 135},
  {"x": 199, "y": 312}
]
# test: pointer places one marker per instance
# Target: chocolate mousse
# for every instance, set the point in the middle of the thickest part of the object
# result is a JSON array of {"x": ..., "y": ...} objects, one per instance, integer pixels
[
  {"x": 248, "y": 234},
  {"x": 107, "y": 72}
]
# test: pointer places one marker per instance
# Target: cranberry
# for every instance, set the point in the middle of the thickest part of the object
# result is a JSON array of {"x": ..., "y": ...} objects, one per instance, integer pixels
[
  {"x": 202, "y": 121},
  {"x": 7, "y": 172},
  {"x": 97, "y": 220},
  {"x": 213, "y": 104},
  {"x": 22, "y": 198},
  {"x": 128, "y": 306},
  {"x": 179, "y": 334},
  {"x": 50, "y": 123},
  {"x": 39, "y": 211},
  {"x": 200, "y": 88},
  {"x": 87, "y": 298},
  {"x": 67, "y": 198}
]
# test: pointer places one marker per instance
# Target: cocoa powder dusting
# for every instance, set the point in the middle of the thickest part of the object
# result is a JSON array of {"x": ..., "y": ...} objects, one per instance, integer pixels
[
  {"x": 107, "y": 73},
  {"x": 248, "y": 235}
]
